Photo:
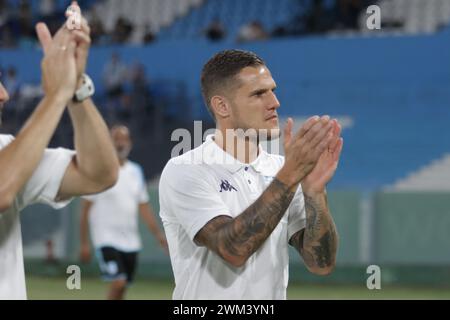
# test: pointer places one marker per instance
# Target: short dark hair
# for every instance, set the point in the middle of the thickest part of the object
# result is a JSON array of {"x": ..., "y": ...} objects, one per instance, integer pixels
[{"x": 222, "y": 67}]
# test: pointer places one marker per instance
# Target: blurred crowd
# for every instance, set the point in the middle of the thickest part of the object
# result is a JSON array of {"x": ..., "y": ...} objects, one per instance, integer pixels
[
  {"x": 315, "y": 17},
  {"x": 125, "y": 95},
  {"x": 17, "y": 24}
]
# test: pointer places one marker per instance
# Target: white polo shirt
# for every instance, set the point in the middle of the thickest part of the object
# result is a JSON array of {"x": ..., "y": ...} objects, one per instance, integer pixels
[
  {"x": 113, "y": 218},
  {"x": 42, "y": 187},
  {"x": 205, "y": 183}
]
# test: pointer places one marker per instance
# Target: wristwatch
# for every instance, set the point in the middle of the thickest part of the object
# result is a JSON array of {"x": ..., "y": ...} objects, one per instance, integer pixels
[{"x": 86, "y": 90}]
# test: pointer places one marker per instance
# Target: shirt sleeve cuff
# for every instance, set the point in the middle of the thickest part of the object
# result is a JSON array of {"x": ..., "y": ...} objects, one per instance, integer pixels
[
  {"x": 65, "y": 156},
  {"x": 201, "y": 222}
]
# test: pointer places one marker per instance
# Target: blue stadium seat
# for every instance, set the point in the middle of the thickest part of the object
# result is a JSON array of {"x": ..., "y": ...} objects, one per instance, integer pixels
[{"x": 234, "y": 14}]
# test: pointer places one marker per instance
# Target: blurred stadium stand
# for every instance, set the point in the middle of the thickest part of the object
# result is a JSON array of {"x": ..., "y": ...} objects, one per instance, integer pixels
[
  {"x": 395, "y": 90},
  {"x": 189, "y": 19},
  {"x": 431, "y": 177},
  {"x": 415, "y": 16},
  {"x": 144, "y": 14},
  {"x": 391, "y": 86}
]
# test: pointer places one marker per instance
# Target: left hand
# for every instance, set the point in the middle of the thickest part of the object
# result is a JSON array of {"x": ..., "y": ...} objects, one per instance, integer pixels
[
  {"x": 83, "y": 43},
  {"x": 59, "y": 74},
  {"x": 163, "y": 243},
  {"x": 83, "y": 40},
  {"x": 316, "y": 181}
]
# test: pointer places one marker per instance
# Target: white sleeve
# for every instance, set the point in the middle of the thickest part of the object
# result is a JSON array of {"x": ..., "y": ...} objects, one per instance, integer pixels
[
  {"x": 45, "y": 182},
  {"x": 188, "y": 195},
  {"x": 297, "y": 213},
  {"x": 143, "y": 195},
  {"x": 90, "y": 198}
]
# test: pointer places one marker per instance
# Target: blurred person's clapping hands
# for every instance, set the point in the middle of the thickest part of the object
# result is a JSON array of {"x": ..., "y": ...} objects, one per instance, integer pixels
[{"x": 65, "y": 57}]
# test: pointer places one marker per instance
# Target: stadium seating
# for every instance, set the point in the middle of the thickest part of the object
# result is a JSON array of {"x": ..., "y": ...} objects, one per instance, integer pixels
[
  {"x": 153, "y": 14},
  {"x": 234, "y": 14},
  {"x": 415, "y": 16},
  {"x": 60, "y": 5},
  {"x": 395, "y": 90},
  {"x": 398, "y": 16},
  {"x": 434, "y": 176}
]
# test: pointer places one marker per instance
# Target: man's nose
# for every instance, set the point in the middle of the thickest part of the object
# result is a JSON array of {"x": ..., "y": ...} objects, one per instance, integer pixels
[{"x": 274, "y": 103}]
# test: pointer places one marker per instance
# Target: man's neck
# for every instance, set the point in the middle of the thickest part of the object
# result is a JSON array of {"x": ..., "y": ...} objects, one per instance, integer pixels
[{"x": 244, "y": 149}]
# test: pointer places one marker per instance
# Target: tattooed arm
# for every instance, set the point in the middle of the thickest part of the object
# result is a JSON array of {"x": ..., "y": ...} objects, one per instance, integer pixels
[
  {"x": 235, "y": 240},
  {"x": 317, "y": 243}
]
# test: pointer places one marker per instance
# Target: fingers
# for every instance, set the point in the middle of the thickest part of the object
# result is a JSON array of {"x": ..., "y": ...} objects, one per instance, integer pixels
[
  {"x": 61, "y": 38},
  {"x": 319, "y": 131},
  {"x": 336, "y": 137},
  {"x": 75, "y": 8},
  {"x": 81, "y": 38},
  {"x": 335, "y": 131},
  {"x": 45, "y": 38},
  {"x": 316, "y": 125},
  {"x": 62, "y": 41},
  {"x": 73, "y": 13},
  {"x": 85, "y": 26},
  {"x": 317, "y": 134},
  {"x": 337, "y": 128},
  {"x": 323, "y": 144},
  {"x": 306, "y": 126},
  {"x": 314, "y": 131},
  {"x": 72, "y": 46},
  {"x": 288, "y": 132},
  {"x": 323, "y": 135},
  {"x": 338, "y": 149},
  {"x": 81, "y": 34},
  {"x": 64, "y": 36}
]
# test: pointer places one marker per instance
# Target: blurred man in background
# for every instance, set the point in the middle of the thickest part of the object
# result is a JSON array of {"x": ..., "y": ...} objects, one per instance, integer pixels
[
  {"x": 113, "y": 220},
  {"x": 30, "y": 173}
]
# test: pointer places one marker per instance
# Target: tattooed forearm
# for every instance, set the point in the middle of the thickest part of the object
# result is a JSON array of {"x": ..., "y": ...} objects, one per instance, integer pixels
[
  {"x": 313, "y": 217},
  {"x": 324, "y": 253},
  {"x": 237, "y": 239},
  {"x": 317, "y": 243}
]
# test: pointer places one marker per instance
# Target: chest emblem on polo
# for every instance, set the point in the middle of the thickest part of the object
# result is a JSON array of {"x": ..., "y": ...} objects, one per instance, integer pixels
[{"x": 226, "y": 186}]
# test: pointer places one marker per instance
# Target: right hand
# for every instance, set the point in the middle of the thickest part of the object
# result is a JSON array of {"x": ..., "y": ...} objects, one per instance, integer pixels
[
  {"x": 85, "y": 253},
  {"x": 83, "y": 40},
  {"x": 59, "y": 70},
  {"x": 303, "y": 150},
  {"x": 163, "y": 243}
]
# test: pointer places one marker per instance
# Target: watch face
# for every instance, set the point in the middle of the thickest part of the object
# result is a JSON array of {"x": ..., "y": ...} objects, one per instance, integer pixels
[{"x": 85, "y": 91}]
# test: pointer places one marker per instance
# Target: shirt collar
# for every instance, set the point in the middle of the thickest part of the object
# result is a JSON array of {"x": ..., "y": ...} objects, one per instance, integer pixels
[{"x": 213, "y": 154}]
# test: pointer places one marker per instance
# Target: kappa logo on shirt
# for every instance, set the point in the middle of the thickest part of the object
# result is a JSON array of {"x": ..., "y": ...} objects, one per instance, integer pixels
[{"x": 226, "y": 186}]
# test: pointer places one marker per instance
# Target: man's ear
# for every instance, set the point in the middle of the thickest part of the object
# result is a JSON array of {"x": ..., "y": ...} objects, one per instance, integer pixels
[{"x": 220, "y": 107}]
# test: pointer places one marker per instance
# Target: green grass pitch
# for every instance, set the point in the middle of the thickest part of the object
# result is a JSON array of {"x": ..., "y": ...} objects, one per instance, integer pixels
[{"x": 42, "y": 288}]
